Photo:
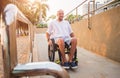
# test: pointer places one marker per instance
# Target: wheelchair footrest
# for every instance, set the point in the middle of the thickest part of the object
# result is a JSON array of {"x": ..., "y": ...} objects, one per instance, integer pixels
[{"x": 57, "y": 61}]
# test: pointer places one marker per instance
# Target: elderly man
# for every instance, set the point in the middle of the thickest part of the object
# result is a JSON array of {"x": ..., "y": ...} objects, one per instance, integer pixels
[{"x": 60, "y": 30}]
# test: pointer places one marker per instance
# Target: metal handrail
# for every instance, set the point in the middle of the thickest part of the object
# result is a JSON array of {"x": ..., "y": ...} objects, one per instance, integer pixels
[
  {"x": 107, "y": 4},
  {"x": 76, "y": 7}
]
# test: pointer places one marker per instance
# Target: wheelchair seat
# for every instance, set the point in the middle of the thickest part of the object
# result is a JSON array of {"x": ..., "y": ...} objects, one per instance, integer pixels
[{"x": 53, "y": 48}]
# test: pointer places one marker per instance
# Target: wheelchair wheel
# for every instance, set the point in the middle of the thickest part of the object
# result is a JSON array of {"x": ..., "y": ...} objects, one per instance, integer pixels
[
  {"x": 75, "y": 59},
  {"x": 51, "y": 53}
]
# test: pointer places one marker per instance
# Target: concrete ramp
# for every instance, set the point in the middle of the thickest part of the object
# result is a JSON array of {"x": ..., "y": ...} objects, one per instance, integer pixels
[{"x": 90, "y": 65}]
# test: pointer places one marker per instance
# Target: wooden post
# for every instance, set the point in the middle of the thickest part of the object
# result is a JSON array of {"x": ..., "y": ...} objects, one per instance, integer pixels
[
  {"x": 9, "y": 50},
  {"x": 6, "y": 58},
  {"x": 31, "y": 36}
]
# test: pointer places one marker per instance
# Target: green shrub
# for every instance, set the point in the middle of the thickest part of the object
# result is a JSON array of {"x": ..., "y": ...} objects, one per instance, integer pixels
[{"x": 41, "y": 25}]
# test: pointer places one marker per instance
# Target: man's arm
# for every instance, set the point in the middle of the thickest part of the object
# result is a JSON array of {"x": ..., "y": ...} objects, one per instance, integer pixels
[
  {"x": 72, "y": 34},
  {"x": 49, "y": 29},
  {"x": 47, "y": 36}
]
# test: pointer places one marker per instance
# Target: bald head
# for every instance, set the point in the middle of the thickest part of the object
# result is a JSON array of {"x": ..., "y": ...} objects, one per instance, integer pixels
[
  {"x": 60, "y": 14},
  {"x": 60, "y": 10}
]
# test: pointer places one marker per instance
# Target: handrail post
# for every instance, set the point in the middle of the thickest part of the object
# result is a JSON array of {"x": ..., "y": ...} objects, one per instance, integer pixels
[
  {"x": 6, "y": 64},
  {"x": 89, "y": 15},
  {"x": 90, "y": 12},
  {"x": 9, "y": 49},
  {"x": 31, "y": 42},
  {"x": 93, "y": 7},
  {"x": 77, "y": 13}
]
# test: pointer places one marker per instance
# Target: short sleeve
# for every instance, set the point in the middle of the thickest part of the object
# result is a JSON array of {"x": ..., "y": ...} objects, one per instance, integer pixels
[{"x": 49, "y": 30}]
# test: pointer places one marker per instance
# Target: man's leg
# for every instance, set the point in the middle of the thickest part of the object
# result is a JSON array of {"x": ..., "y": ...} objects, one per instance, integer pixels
[
  {"x": 73, "y": 47},
  {"x": 61, "y": 45}
]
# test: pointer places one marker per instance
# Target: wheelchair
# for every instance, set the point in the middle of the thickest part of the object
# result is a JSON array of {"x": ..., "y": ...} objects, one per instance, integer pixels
[{"x": 52, "y": 49}]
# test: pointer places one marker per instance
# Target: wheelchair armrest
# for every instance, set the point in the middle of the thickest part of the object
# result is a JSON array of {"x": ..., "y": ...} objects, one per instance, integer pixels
[
  {"x": 53, "y": 41},
  {"x": 40, "y": 68}
]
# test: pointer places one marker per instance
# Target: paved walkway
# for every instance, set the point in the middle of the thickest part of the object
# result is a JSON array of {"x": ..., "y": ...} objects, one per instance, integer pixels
[{"x": 90, "y": 65}]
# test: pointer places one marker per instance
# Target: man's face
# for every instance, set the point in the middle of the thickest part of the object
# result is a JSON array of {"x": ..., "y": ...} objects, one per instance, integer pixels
[{"x": 60, "y": 15}]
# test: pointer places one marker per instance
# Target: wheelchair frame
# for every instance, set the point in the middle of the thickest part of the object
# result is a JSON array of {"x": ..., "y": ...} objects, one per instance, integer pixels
[{"x": 55, "y": 48}]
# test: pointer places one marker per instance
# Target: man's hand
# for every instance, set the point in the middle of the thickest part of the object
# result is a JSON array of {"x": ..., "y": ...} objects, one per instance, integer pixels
[
  {"x": 72, "y": 34},
  {"x": 49, "y": 42}
]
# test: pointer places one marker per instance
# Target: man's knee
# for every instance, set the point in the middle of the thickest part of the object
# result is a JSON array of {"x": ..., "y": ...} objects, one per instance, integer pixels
[
  {"x": 60, "y": 41},
  {"x": 74, "y": 40}
]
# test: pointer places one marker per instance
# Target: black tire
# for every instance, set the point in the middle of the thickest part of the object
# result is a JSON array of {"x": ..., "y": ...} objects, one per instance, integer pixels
[
  {"x": 51, "y": 53},
  {"x": 75, "y": 59}
]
